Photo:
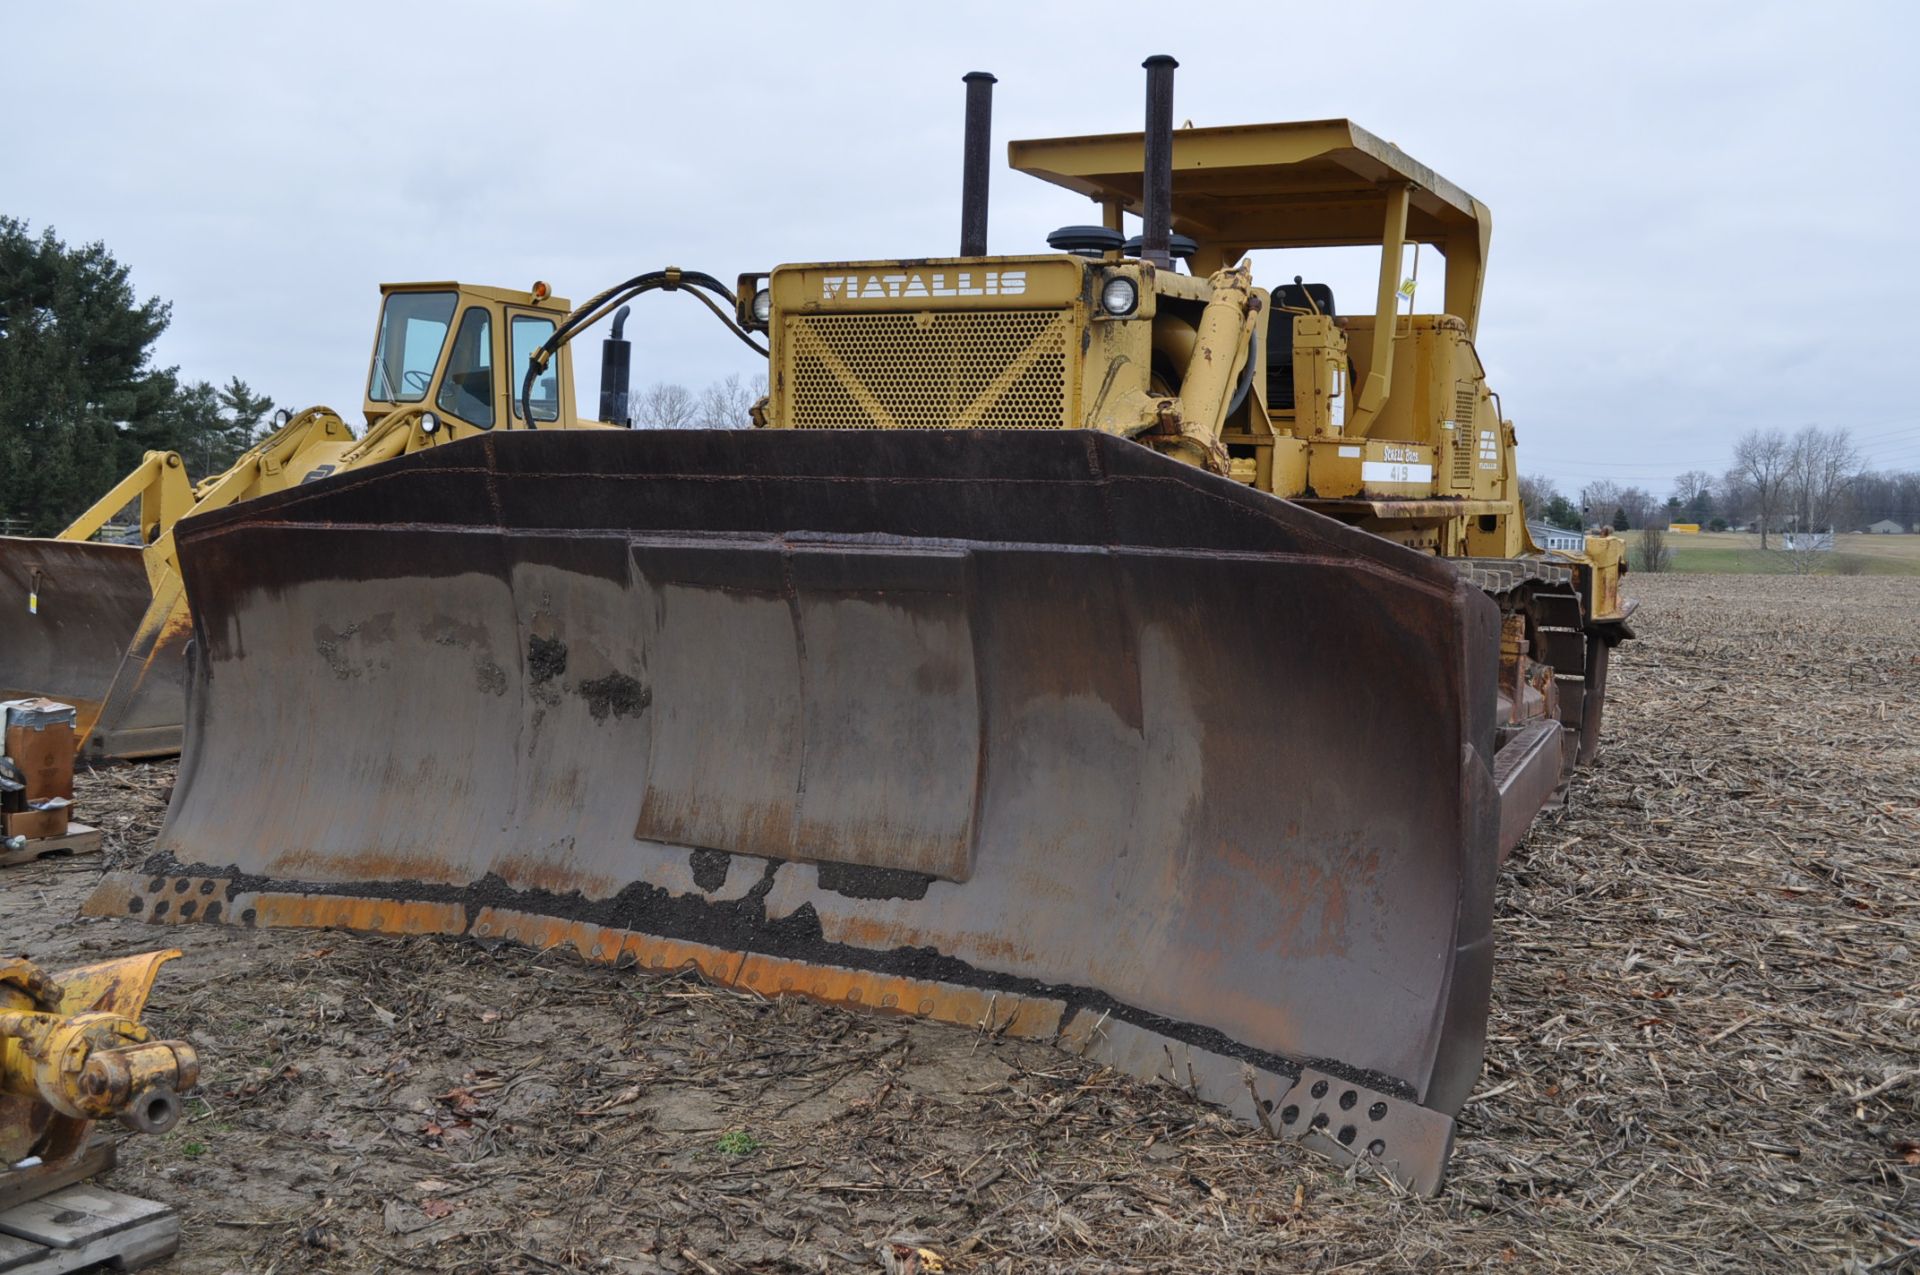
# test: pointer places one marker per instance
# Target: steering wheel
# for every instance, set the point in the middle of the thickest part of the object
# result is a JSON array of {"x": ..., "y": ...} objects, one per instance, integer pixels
[{"x": 417, "y": 380}]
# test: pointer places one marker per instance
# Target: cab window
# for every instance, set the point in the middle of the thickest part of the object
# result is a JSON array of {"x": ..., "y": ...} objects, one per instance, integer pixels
[
  {"x": 413, "y": 327},
  {"x": 529, "y": 334},
  {"x": 467, "y": 389}
]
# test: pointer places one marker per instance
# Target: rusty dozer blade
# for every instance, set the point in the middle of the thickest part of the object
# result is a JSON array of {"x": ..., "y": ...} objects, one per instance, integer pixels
[
  {"x": 79, "y": 623},
  {"x": 1035, "y": 730}
]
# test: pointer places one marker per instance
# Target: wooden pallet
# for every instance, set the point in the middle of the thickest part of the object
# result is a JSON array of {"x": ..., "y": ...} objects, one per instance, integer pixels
[
  {"x": 81, "y": 1227},
  {"x": 80, "y": 838},
  {"x": 18, "y": 1184}
]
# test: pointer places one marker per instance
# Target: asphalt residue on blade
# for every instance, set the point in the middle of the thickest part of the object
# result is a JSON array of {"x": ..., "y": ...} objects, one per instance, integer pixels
[
  {"x": 546, "y": 659},
  {"x": 859, "y": 881},
  {"x": 709, "y": 868},
  {"x": 743, "y": 925},
  {"x": 615, "y": 694}
]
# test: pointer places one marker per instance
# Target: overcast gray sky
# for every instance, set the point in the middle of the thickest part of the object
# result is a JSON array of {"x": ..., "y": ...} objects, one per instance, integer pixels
[{"x": 1700, "y": 209}]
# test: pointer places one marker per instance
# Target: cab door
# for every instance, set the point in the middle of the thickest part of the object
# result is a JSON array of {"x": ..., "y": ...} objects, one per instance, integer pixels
[
  {"x": 527, "y": 331},
  {"x": 471, "y": 386}
]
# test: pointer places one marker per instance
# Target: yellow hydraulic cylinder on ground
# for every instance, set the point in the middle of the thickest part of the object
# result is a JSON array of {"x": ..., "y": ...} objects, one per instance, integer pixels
[{"x": 73, "y": 1051}]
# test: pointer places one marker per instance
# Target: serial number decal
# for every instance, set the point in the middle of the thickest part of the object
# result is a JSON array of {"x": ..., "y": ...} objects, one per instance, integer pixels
[
  {"x": 1386, "y": 471},
  {"x": 919, "y": 283}
]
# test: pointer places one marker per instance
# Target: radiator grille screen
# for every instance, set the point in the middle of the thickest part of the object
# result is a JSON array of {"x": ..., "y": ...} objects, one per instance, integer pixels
[
  {"x": 991, "y": 369},
  {"x": 1464, "y": 399}
]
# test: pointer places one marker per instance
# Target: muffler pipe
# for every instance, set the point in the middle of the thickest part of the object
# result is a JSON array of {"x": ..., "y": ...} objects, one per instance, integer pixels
[
  {"x": 156, "y": 1111},
  {"x": 975, "y": 158},
  {"x": 616, "y": 372},
  {"x": 1156, "y": 174}
]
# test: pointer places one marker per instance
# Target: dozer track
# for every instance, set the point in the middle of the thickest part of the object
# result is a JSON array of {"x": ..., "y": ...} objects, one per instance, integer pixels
[
  {"x": 1036, "y": 730},
  {"x": 67, "y": 611}
]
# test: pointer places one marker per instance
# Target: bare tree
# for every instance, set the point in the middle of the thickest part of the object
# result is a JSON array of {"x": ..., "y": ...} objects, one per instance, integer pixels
[
  {"x": 1762, "y": 467},
  {"x": 1599, "y": 501},
  {"x": 725, "y": 404},
  {"x": 1641, "y": 508},
  {"x": 1537, "y": 493},
  {"x": 1886, "y": 495},
  {"x": 1823, "y": 465},
  {"x": 1694, "y": 494},
  {"x": 1653, "y": 553},
  {"x": 1736, "y": 500},
  {"x": 1692, "y": 486},
  {"x": 664, "y": 405},
  {"x": 1607, "y": 503}
]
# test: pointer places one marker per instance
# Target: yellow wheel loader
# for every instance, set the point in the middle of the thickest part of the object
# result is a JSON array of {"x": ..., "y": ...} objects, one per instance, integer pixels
[
  {"x": 103, "y": 626},
  {"x": 1081, "y": 647}
]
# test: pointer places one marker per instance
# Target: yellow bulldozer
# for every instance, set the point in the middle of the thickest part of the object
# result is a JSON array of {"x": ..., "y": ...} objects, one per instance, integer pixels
[
  {"x": 1146, "y": 659},
  {"x": 103, "y": 626}
]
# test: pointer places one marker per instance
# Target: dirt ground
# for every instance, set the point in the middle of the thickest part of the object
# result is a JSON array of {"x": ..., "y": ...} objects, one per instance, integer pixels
[{"x": 1702, "y": 1054}]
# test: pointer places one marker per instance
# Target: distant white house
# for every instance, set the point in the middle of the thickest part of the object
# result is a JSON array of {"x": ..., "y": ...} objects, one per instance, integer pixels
[
  {"x": 1815, "y": 541},
  {"x": 1885, "y": 527},
  {"x": 1555, "y": 538}
]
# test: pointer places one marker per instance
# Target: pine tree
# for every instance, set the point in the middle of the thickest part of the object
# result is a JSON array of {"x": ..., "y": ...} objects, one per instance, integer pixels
[{"x": 80, "y": 399}]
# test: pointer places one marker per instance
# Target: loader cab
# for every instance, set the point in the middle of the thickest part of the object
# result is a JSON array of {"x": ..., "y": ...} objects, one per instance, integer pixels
[{"x": 459, "y": 351}]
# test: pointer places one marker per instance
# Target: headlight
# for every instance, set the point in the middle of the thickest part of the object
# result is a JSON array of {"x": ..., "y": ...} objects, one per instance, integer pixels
[
  {"x": 762, "y": 306},
  {"x": 429, "y": 423},
  {"x": 1120, "y": 297}
]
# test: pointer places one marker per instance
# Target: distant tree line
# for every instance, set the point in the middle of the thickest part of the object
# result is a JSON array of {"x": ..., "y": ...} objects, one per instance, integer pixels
[
  {"x": 80, "y": 398},
  {"x": 725, "y": 404},
  {"x": 1813, "y": 479}
]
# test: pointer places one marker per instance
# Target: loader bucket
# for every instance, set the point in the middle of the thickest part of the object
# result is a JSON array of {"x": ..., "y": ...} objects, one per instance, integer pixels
[
  {"x": 1037, "y": 730},
  {"x": 75, "y": 627}
]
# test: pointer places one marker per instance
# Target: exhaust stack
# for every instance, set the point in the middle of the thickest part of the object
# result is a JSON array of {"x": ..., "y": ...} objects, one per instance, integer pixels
[
  {"x": 974, "y": 161},
  {"x": 1156, "y": 175},
  {"x": 616, "y": 372}
]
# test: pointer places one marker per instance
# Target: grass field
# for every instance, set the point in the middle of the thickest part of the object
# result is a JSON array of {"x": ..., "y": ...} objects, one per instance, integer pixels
[{"x": 1738, "y": 553}]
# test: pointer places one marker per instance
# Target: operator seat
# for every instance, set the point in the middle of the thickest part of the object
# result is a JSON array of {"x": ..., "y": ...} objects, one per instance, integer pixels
[{"x": 1289, "y": 299}]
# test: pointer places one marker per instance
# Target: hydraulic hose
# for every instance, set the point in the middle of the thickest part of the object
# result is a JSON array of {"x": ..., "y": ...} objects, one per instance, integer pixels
[{"x": 672, "y": 279}]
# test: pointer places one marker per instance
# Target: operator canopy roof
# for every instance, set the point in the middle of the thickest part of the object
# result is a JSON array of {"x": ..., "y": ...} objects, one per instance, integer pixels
[{"x": 1314, "y": 183}]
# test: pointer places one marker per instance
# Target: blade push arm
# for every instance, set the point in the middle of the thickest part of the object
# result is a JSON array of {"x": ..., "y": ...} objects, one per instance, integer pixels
[{"x": 159, "y": 482}]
